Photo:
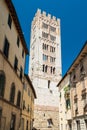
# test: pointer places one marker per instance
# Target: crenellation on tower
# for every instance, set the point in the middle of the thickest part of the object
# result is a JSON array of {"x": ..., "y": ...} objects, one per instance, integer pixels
[
  {"x": 44, "y": 13},
  {"x": 49, "y": 16},
  {"x": 54, "y": 18},
  {"x": 38, "y": 12}
]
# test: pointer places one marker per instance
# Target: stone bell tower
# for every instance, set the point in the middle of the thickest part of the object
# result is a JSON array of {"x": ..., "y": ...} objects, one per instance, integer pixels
[{"x": 45, "y": 69}]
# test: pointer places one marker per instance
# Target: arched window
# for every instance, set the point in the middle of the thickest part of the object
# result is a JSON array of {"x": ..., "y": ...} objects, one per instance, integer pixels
[
  {"x": 54, "y": 70},
  {"x": 12, "y": 93},
  {"x": 51, "y": 70},
  {"x": 18, "y": 98},
  {"x": 2, "y": 83},
  {"x": 46, "y": 68},
  {"x": 43, "y": 68}
]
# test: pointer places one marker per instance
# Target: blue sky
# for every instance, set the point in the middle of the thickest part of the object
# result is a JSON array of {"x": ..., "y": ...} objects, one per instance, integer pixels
[{"x": 73, "y": 16}]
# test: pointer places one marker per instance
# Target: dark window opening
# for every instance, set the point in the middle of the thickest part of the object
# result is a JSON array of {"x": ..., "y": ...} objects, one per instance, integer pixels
[
  {"x": 74, "y": 77},
  {"x": 54, "y": 70},
  {"x": 78, "y": 125},
  {"x": 46, "y": 68},
  {"x": 19, "y": 99},
  {"x": 12, "y": 123},
  {"x": 48, "y": 83},
  {"x": 18, "y": 40},
  {"x": 12, "y": 93},
  {"x": 21, "y": 72},
  {"x": 0, "y": 112},
  {"x": 86, "y": 123},
  {"x": 82, "y": 69},
  {"x": 23, "y": 53},
  {"x": 67, "y": 103},
  {"x": 50, "y": 122},
  {"x": 52, "y": 38},
  {"x": 70, "y": 126},
  {"x": 15, "y": 64},
  {"x": 27, "y": 125},
  {"x": 53, "y": 29},
  {"x": 24, "y": 107},
  {"x": 43, "y": 68},
  {"x": 45, "y": 35},
  {"x": 6, "y": 48},
  {"x": 2, "y": 83},
  {"x": 45, "y": 25},
  {"x": 51, "y": 70},
  {"x": 9, "y": 21}
]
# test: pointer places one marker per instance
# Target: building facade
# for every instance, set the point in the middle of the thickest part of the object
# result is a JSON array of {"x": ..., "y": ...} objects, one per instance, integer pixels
[
  {"x": 78, "y": 81},
  {"x": 13, "y": 51},
  {"x": 45, "y": 69},
  {"x": 65, "y": 117},
  {"x": 27, "y": 115},
  {"x": 73, "y": 94}
]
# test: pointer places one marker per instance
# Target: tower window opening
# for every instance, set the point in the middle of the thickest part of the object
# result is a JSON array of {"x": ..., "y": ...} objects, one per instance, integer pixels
[
  {"x": 52, "y": 29},
  {"x": 54, "y": 70},
  {"x": 48, "y": 83},
  {"x": 52, "y": 38},
  {"x": 46, "y": 68},
  {"x": 51, "y": 70},
  {"x": 50, "y": 123},
  {"x": 44, "y": 25},
  {"x": 45, "y": 35},
  {"x": 43, "y": 68}
]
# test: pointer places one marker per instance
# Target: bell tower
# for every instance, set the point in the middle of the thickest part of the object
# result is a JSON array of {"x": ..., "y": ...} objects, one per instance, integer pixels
[{"x": 45, "y": 69}]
